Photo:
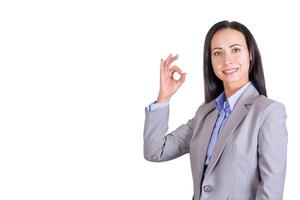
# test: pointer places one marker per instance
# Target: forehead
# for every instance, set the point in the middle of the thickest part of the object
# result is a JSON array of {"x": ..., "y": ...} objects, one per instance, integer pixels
[{"x": 227, "y": 37}]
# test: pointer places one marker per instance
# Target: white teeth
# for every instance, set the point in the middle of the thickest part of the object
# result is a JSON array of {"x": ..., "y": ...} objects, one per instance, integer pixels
[{"x": 228, "y": 71}]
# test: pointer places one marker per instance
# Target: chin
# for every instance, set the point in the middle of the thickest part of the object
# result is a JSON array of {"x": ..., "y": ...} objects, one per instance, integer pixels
[{"x": 231, "y": 81}]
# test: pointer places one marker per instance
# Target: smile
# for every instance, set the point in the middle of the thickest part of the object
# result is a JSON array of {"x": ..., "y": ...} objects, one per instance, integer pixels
[{"x": 230, "y": 71}]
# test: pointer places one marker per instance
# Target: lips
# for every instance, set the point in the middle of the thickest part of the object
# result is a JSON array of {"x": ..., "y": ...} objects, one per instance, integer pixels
[{"x": 230, "y": 70}]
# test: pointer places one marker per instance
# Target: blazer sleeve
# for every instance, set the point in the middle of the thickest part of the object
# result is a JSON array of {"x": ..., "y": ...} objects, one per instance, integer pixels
[
  {"x": 160, "y": 147},
  {"x": 272, "y": 153}
]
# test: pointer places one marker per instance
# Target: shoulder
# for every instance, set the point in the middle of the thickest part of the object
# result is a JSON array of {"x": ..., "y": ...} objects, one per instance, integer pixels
[
  {"x": 264, "y": 102},
  {"x": 268, "y": 107},
  {"x": 205, "y": 107}
]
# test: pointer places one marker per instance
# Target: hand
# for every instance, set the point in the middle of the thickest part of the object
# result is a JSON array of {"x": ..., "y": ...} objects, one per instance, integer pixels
[{"x": 168, "y": 85}]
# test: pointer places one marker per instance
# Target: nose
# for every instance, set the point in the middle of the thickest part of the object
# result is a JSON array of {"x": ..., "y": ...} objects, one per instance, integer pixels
[{"x": 227, "y": 58}]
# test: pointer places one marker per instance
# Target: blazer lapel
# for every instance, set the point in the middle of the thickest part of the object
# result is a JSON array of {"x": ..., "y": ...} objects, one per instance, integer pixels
[
  {"x": 235, "y": 118},
  {"x": 199, "y": 142},
  {"x": 203, "y": 140}
]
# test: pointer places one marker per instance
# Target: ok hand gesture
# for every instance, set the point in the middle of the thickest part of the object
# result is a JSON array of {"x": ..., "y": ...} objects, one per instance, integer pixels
[{"x": 168, "y": 85}]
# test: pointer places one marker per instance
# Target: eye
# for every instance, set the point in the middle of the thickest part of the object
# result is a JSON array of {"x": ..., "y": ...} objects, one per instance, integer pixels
[
  {"x": 217, "y": 53},
  {"x": 235, "y": 50}
]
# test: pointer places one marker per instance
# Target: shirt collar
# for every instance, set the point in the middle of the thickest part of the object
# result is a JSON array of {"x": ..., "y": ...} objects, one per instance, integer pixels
[{"x": 228, "y": 104}]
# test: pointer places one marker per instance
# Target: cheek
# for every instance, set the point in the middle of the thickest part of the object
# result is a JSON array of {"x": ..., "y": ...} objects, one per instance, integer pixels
[
  {"x": 215, "y": 60},
  {"x": 217, "y": 70},
  {"x": 244, "y": 60},
  {"x": 216, "y": 65},
  {"x": 245, "y": 65}
]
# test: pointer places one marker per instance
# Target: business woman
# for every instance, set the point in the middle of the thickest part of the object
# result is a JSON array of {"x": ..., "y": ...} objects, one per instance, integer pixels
[{"x": 237, "y": 140}]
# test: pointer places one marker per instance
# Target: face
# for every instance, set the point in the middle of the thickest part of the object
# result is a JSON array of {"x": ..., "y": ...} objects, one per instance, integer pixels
[{"x": 230, "y": 57}]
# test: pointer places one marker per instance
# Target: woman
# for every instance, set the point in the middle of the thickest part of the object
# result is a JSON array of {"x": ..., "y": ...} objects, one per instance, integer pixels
[{"x": 237, "y": 139}]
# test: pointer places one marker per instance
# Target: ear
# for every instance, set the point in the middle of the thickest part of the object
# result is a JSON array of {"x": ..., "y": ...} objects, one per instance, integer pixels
[{"x": 250, "y": 56}]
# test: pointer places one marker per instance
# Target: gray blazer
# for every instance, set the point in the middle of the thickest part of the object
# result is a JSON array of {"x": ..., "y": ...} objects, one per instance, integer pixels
[{"x": 249, "y": 158}]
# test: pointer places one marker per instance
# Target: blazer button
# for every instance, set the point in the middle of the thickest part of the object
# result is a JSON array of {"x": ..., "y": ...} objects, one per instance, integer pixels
[{"x": 208, "y": 188}]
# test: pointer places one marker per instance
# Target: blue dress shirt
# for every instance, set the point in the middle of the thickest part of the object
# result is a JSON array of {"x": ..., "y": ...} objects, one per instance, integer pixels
[{"x": 224, "y": 107}]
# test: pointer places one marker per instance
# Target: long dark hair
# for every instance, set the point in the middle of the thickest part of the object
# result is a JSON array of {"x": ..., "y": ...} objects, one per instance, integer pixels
[{"x": 213, "y": 86}]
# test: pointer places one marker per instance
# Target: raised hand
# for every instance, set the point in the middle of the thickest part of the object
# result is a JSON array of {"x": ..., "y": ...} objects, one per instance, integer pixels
[{"x": 169, "y": 85}]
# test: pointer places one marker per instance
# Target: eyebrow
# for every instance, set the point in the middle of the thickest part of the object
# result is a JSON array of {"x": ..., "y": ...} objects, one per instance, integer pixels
[{"x": 229, "y": 46}]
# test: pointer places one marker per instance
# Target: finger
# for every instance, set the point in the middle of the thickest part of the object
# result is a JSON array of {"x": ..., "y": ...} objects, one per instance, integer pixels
[
  {"x": 162, "y": 64},
  {"x": 171, "y": 60},
  {"x": 181, "y": 79},
  {"x": 168, "y": 59},
  {"x": 175, "y": 69}
]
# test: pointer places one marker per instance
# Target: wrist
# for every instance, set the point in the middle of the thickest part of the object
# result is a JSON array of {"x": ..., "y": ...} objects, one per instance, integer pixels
[{"x": 162, "y": 99}]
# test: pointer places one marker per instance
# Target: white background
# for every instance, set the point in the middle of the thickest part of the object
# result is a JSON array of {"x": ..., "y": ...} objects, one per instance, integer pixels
[{"x": 75, "y": 77}]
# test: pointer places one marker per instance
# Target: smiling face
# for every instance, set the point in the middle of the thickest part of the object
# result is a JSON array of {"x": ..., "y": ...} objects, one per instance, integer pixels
[{"x": 230, "y": 57}]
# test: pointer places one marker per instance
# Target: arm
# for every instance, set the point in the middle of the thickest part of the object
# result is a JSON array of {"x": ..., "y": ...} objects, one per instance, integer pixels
[
  {"x": 160, "y": 147},
  {"x": 272, "y": 151},
  {"x": 157, "y": 145}
]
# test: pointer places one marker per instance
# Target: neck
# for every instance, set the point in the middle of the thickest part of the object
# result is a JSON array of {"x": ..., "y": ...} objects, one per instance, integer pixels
[{"x": 230, "y": 89}]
